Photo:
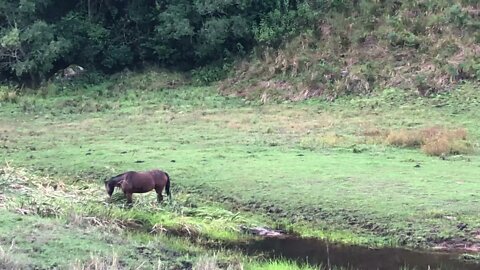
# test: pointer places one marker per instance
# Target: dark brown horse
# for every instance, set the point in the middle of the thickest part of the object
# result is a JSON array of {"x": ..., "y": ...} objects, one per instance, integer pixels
[{"x": 140, "y": 182}]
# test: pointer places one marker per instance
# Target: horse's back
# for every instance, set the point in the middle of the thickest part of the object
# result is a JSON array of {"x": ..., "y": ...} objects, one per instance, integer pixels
[
  {"x": 144, "y": 181},
  {"x": 140, "y": 181}
]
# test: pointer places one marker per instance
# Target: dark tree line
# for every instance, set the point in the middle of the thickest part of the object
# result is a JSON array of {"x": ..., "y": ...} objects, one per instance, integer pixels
[{"x": 38, "y": 37}]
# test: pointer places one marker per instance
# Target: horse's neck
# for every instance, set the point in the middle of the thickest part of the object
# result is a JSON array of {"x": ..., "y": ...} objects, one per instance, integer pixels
[
  {"x": 120, "y": 175},
  {"x": 117, "y": 179}
]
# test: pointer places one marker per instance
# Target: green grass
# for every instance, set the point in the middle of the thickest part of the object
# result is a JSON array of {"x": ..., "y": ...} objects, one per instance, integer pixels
[
  {"x": 42, "y": 218},
  {"x": 35, "y": 242},
  {"x": 188, "y": 215},
  {"x": 307, "y": 165},
  {"x": 278, "y": 265}
]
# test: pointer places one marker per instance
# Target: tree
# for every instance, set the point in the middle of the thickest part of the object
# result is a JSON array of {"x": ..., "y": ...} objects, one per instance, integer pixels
[{"x": 29, "y": 46}]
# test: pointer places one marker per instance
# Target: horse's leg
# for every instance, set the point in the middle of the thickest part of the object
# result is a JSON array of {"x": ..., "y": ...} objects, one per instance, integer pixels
[
  {"x": 159, "y": 194},
  {"x": 129, "y": 197}
]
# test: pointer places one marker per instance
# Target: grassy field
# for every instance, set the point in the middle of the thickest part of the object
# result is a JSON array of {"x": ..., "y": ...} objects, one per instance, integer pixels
[
  {"x": 321, "y": 169},
  {"x": 43, "y": 218}
]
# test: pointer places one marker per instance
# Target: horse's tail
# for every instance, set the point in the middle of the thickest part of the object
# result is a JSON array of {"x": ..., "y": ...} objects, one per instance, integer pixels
[{"x": 167, "y": 187}]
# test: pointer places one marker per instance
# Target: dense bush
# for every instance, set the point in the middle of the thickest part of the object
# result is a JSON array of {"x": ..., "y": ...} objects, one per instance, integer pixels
[{"x": 37, "y": 38}]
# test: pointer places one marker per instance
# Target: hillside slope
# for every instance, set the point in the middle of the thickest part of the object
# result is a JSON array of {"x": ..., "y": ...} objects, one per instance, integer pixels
[{"x": 422, "y": 46}]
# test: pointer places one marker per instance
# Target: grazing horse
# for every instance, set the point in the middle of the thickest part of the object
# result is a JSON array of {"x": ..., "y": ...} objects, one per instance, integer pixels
[{"x": 140, "y": 182}]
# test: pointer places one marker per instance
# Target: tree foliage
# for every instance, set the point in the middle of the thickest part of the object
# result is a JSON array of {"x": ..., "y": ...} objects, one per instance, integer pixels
[{"x": 39, "y": 37}]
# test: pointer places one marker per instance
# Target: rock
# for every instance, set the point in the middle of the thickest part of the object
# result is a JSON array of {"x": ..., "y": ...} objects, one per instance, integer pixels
[
  {"x": 461, "y": 226},
  {"x": 261, "y": 231},
  {"x": 69, "y": 72},
  {"x": 356, "y": 150}
]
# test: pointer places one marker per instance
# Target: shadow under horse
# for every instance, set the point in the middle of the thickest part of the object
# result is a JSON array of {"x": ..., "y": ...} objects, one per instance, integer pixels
[{"x": 140, "y": 182}]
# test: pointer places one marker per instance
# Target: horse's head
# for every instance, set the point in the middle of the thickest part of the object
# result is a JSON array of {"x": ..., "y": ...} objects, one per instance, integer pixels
[
  {"x": 109, "y": 187},
  {"x": 113, "y": 182}
]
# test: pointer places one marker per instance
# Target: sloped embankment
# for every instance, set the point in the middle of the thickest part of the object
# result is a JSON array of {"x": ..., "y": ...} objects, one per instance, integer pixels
[{"x": 421, "y": 46}]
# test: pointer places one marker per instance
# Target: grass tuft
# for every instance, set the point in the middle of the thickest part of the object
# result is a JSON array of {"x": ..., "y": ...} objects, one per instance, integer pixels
[
  {"x": 206, "y": 263},
  {"x": 7, "y": 260},
  {"x": 281, "y": 265},
  {"x": 97, "y": 263}
]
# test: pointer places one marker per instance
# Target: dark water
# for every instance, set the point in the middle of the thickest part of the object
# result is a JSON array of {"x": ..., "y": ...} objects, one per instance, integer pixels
[{"x": 316, "y": 252}]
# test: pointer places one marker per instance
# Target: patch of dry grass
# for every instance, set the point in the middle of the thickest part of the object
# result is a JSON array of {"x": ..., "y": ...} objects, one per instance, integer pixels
[
  {"x": 323, "y": 141},
  {"x": 372, "y": 135},
  {"x": 44, "y": 193},
  {"x": 444, "y": 145},
  {"x": 281, "y": 120},
  {"x": 98, "y": 263},
  {"x": 206, "y": 263},
  {"x": 405, "y": 138},
  {"x": 435, "y": 141},
  {"x": 373, "y": 132},
  {"x": 7, "y": 261},
  {"x": 212, "y": 263}
]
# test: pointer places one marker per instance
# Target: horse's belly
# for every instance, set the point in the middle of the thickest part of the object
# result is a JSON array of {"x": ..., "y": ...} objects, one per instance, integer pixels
[{"x": 141, "y": 189}]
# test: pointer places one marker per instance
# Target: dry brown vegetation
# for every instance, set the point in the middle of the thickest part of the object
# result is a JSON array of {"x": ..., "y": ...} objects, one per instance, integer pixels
[
  {"x": 435, "y": 141},
  {"x": 405, "y": 138}
]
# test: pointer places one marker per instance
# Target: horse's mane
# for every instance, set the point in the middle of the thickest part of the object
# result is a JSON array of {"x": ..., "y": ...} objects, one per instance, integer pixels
[{"x": 117, "y": 176}]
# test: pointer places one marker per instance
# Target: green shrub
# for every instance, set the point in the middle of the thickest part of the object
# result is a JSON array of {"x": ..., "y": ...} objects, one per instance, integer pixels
[
  {"x": 209, "y": 74},
  {"x": 8, "y": 95},
  {"x": 470, "y": 68},
  {"x": 404, "y": 39},
  {"x": 280, "y": 25},
  {"x": 458, "y": 16}
]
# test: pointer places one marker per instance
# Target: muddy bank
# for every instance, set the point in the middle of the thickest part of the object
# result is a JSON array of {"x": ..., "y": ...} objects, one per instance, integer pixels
[
  {"x": 318, "y": 252},
  {"x": 275, "y": 244},
  {"x": 464, "y": 237}
]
